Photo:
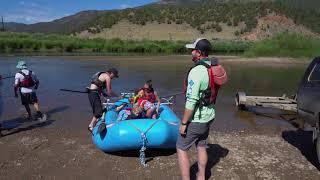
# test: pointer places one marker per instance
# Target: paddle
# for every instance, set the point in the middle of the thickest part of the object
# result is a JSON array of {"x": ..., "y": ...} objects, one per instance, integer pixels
[
  {"x": 6, "y": 77},
  {"x": 76, "y": 91},
  {"x": 174, "y": 94}
]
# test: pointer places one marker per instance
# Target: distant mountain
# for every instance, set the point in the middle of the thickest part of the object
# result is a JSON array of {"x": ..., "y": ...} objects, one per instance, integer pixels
[
  {"x": 213, "y": 18},
  {"x": 65, "y": 25},
  {"x": 178, "y": 1},
  {"x": 12, "y": 26}
]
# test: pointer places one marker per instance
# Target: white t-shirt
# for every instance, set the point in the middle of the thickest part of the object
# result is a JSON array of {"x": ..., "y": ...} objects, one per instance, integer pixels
[{"x": 19, "y": 78}]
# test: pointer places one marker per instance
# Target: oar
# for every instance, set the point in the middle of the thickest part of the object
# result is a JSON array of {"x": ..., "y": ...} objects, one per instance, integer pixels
[
  {"x": 76, "y": 91},
  {"x": 6, "y": 77},
  {"x": 174, "y": 94}
]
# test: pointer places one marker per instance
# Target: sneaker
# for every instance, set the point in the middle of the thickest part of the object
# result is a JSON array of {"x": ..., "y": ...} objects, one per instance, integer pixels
[
  {"x": 90, "y": 129},
  {"x": 102, "y": 127},
  {"x": 39, "y": 114},
  {"x": 29, "y": 118},
  {"x": 42, "y": 118}
]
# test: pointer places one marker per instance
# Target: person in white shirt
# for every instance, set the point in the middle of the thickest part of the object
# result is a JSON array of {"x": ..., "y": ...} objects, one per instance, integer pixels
[{"x": 26, "y": 82}]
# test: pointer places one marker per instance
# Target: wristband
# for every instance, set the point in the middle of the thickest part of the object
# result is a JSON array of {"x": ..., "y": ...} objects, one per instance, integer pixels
[{"x": 184, "y": 123}]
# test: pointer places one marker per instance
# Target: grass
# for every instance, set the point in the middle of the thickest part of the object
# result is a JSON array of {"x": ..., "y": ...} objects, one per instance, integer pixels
[
  {"x": 11, "y": 43},
  {"x": 282, "y": 45},
  {"x": 286, "y": 45}
]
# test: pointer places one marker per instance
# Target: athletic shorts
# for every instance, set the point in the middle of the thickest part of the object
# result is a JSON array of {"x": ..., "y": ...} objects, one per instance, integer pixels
[
  {"x": 95, "y": 103},
  {"x": 196, "y": 133},
  {"x": 28, "y": 98}
]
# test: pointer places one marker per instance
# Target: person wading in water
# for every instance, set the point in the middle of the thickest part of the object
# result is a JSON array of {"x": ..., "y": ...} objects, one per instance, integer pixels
[{"x": 26, "y": 82}]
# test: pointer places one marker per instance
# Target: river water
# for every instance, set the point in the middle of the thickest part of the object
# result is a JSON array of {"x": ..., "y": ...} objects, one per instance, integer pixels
[{"x": 72, "y": 110}]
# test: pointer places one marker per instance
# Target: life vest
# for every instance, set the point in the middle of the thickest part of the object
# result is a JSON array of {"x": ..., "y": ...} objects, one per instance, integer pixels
[
  {"x": 148, "y": 95},
  {"x": 217, "y": 77},
  {"x": 96, "y": 81},
  {"x": 27, "y": 81}
]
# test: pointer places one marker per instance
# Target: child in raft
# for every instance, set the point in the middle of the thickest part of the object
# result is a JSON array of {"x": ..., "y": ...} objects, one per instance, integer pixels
[
  {"x": 129, "y": 113},
  {"x": 146, "y": 98}
]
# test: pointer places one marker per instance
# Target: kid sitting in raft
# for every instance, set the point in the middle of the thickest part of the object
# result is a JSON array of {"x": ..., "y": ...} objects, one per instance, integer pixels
[
  {"x": 146, "y": 98},
  {"x": 129, "y": 113}
]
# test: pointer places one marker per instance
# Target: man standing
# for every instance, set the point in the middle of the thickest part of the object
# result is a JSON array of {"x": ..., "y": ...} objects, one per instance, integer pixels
[
  {"x": 199, "y": 109},
  {"x": 100, "y": 81},
  {"x": 26, "y": 82}
]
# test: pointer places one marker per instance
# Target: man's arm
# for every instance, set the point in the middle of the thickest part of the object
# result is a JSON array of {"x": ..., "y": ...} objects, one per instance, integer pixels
[
  {"x": 110, "y": 93},
  {"x": 16, "y": 85},
  {"x": 192, "y": 98},
  {"x": 193, "y": 89},
  {"x": 188, "y": 113}
]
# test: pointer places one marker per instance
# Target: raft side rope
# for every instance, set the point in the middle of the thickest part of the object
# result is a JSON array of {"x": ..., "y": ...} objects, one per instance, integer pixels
[
  {"x": 142, "y": 156},
  {"x": 144, "y": 142}
]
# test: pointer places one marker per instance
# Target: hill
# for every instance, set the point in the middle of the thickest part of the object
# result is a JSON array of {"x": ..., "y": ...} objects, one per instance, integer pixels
[{"x": 184, "y": 20}]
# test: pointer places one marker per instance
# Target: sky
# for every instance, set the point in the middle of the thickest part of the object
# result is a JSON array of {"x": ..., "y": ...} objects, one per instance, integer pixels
[{"x": 33, "y": 11}]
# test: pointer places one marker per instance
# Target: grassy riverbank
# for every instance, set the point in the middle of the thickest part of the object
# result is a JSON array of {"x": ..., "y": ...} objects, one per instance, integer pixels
[
  {"x": 286, "y": 45},
  {"x": 11, "y": 43},
  {"x": 283, "y": 45}
]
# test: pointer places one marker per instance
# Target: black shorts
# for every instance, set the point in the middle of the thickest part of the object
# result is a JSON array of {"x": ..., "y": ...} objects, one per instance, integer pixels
[
  {"x": 28, "y": 98},
  {"x": 95, "y": 103}
]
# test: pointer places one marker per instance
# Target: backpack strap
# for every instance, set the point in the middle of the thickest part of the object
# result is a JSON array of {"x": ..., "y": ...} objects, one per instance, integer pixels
[
  {"x": 214, "y": 61},
  {"x": 23, "y": 74}
]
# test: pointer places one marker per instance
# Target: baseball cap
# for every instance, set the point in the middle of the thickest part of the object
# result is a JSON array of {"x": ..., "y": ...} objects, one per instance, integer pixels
[
  {"x": 21, "y": 65},
  {"x": 201, "y": 44},
  {"x": 114, "y": 71}
]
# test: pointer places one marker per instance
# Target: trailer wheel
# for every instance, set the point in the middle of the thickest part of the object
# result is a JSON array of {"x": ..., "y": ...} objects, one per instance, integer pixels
[{"x": 240, "y": 100}]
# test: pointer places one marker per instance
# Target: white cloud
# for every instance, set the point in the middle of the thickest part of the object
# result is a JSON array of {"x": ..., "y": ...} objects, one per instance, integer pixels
[
  {"x": 124, "y": 6},
  {"x": 28, "y": 19},
  {"x": 30, "y": 12}
]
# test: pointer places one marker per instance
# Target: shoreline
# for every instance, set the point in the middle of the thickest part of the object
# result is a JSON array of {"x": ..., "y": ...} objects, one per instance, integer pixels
[{"x": 223, "y": 58}]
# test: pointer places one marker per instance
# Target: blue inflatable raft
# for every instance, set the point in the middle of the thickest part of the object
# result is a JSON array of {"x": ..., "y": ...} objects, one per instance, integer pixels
[{"x": 137, "y": 134}]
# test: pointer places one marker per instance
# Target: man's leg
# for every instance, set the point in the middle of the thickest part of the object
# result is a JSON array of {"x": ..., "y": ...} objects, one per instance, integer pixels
[
  {"x": 35, "y": 102},
  {"x": 97, "y": 111},
  {"x": 202, "y": 162},
  {"x": 25, "y": 100},
  {"x": 93, "y": 122},
  {"x": 36, "y": 106},
  {"x": 39, "y": 113},
  {"x": 28, "y": 111},
  {"x": 184, "y": 164}
]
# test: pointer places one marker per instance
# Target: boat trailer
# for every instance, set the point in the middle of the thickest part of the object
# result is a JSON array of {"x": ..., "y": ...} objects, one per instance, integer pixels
[{"x": 283, "y": 103}]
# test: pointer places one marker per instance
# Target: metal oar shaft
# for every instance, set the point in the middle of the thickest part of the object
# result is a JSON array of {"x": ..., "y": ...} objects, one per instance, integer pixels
[
  {"x": 7, "y": 77},
  {"x": 76, "y": 91}
]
